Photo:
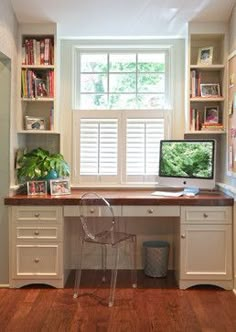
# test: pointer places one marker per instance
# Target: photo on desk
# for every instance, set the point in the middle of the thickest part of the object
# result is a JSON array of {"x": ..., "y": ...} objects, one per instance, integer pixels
[
  {"x": 60, "y": 187},
  {"x": 36, "y": 187}
]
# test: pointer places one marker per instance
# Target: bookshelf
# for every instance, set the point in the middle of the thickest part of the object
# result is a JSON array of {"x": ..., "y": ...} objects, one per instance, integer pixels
[
  {"x": 37, "y": 113},
  {"x": 206, "y": 88}
]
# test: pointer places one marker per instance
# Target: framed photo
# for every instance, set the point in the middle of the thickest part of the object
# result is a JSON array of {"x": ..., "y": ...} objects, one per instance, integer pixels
[
  {"x": 210, "y": 90},
  {"x": 34, "y": 123},
  {"x": 211, "y": 114},
  {"x": 60, "y": 187},
  {"x": 37, "y": 187},
  {"x": 41, "y": 89},
  {"x": 205, "y": 56}
]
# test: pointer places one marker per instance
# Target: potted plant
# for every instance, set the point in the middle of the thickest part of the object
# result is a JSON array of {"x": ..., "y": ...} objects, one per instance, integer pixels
[{"x": 39, "y": 164}]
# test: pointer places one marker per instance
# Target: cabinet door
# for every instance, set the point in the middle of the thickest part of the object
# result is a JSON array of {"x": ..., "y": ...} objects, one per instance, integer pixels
[
  {"x": 206, "y": 252},
  {"x": 38, "y": 261}
]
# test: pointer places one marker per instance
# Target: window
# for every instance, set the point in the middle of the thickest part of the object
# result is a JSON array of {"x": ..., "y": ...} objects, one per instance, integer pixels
[
  {"x": 121, "y": 80},
  {"x": 120, "y": 112}
]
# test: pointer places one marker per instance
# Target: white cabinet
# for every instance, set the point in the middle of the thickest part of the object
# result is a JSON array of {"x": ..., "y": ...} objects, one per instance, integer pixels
[
  {"x": 36, "y": 245},
  {"x": 206, "y": 246}
]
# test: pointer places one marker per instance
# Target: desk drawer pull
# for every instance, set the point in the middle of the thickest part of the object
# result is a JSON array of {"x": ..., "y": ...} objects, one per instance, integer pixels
[
  {"x": 36, "y": 260},
  {"x": 150, "y": 211},
  {"x": 36, "y": 232},
  {"x": 92, "y": 210},
  {"x": 205, "y": 215},
  {"x": 36, "y": 214},
  {"x": 183, "y": 236}
]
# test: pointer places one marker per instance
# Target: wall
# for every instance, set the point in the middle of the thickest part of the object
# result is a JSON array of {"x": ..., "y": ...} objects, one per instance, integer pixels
[
  {"x": 8, "y": 61},
  {"x": 229, "y": 180},
  {"x": 232, "y": 31}
]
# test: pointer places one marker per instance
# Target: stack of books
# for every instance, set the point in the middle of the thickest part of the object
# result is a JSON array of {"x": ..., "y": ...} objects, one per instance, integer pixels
[{"x": 208, "y": 126}]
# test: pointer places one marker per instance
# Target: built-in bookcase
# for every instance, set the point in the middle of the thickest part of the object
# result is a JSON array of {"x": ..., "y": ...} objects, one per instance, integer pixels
[
  {"x": 37, "y": 111},
  {"x": 207, "y": 76}
]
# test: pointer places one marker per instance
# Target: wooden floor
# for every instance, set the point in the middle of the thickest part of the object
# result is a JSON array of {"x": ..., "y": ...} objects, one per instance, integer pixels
[{"x": 156, "y": 305}]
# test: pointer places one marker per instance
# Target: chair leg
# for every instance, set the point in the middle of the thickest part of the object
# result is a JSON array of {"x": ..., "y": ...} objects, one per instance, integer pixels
[
  {"x": 78, "y": 271},
  {"x": 104, "y": 262},
  {"x": 133, "y": 255},
  {"x": 113, "y": 278}
]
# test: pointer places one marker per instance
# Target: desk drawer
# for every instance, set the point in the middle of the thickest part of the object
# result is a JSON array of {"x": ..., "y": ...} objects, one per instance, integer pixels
[
  {"x": 95, "y": 211},
  {"x": 150, "y": 211},
  {"x": 49, "y": 233},
  {"x": 207, "y": 214},
  {"x": 37, "y": 213},
  {"x": 40, "y": 260}
]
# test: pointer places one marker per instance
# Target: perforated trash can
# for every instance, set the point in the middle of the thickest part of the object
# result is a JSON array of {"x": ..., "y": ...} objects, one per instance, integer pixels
[{"x": 156, "y": 255}]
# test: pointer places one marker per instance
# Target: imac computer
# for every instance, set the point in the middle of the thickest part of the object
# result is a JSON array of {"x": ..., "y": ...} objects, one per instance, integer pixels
[{"x": 187, "y": 163}]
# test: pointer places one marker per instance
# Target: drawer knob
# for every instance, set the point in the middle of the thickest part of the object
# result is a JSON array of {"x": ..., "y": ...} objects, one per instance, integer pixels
[
  {"x": 205, "y": 215},
  {"x": 36, "y": 214},
  {"x": 150, "y": 211},
  {"x": 183, "y": 236},
  {"x": 36, "y": 260},
  {"x": 36, "y": 232},
  {"x": 91, "y": 210}
]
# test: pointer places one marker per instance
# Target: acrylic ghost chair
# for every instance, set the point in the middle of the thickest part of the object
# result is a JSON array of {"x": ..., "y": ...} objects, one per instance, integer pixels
[{"x": 100, "y": 227}]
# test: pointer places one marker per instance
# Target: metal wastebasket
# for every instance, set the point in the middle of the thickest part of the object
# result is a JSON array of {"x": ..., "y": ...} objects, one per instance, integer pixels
[{"x": 156, "y": 255}]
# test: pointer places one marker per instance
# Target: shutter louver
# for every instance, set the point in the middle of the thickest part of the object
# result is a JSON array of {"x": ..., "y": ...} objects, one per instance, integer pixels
[
  {"x": 143, "y": 139},
  {"x": 98, "y": 146}
]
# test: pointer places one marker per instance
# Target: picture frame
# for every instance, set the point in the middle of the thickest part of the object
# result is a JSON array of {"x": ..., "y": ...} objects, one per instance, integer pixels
[
  {"x": 211, "y": 114},
  {"x": 205, "y": 56},
  {"x": 41, "y": 88},
  {"x": 35, "y": 123},
  {"x": 36, "y": 187},
  {"x": 60, "y": 187},
  {"x": 210, "y": 90}
]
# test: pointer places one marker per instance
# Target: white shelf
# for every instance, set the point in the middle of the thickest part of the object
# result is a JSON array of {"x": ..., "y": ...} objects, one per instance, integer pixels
[
  {"x": 50, "y": 132},
  {"x": 207, "y": 99},
  {"x": 39, "y": 67},
  {"x": 207, "y": 67},
  {"x": 208, "y": 132},
  {"x": 43, "y": 99}
]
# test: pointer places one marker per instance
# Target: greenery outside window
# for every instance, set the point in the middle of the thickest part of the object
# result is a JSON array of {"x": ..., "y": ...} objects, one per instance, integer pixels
[{"x": 118, "y": 80}]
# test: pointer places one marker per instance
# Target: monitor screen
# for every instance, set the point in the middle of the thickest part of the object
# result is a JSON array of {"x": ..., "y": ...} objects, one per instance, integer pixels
[{"x": 185, "y": 163}]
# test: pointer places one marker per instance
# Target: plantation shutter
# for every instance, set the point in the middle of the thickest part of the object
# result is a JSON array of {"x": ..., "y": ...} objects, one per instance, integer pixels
[
  {"x": 142, "y": 146},
  {"x": 98, "y": 146}
]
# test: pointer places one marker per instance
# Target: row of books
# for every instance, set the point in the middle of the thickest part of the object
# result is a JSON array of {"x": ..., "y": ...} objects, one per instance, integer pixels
[
  {"x": 195, "y": 84},
  {"x": 38, "y": 52},
  {"x": 37, "y": 84},
  {"x": 198, "y": 122}
]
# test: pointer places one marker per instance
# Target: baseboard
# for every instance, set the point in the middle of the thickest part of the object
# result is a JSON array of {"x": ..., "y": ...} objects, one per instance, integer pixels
[
  {"x": 234, "y": 290},
  {"x": 4, "y": 285}
]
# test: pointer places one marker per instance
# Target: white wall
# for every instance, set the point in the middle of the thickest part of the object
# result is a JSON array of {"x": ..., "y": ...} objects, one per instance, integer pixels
[
  {"x": 232, "y": 31},
  {"x": 8, "y": 60}
]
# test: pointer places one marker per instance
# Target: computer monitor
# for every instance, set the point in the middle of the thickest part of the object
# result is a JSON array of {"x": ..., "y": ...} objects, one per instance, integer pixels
[{"x": 187, "y": 163}]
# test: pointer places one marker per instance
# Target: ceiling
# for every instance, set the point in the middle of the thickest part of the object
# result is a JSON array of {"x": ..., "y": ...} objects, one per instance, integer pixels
[{"x": 121, "y": 18}]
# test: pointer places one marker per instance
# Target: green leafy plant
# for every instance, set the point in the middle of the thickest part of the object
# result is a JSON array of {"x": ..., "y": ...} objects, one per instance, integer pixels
[{"x": 39, "y": 164}]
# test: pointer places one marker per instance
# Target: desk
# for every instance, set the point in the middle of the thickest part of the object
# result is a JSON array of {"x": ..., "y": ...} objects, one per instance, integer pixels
[{"x": 202, "y": 245}]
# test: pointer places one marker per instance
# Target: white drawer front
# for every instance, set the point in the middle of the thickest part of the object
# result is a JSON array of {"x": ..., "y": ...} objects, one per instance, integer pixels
[
  {"x": 150, "y": 211},
  {"x": 52, "y": 233},
  {"x": 207, "y": 214},
  {"x": 33, "y": 213},
  {"x": 96, "y": 211},
  {"x": 41, "y": 260}
]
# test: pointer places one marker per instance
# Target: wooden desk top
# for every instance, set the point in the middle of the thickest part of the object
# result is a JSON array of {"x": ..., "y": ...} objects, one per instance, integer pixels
[{"x": 124, "y": 197}]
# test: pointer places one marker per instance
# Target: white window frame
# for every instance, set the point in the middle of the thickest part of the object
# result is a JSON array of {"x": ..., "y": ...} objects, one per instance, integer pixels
[{"x": 121, "y": 179}]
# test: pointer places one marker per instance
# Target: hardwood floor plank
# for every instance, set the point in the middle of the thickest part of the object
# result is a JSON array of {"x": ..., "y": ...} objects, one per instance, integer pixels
[{"x": 157, "y": 305}]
